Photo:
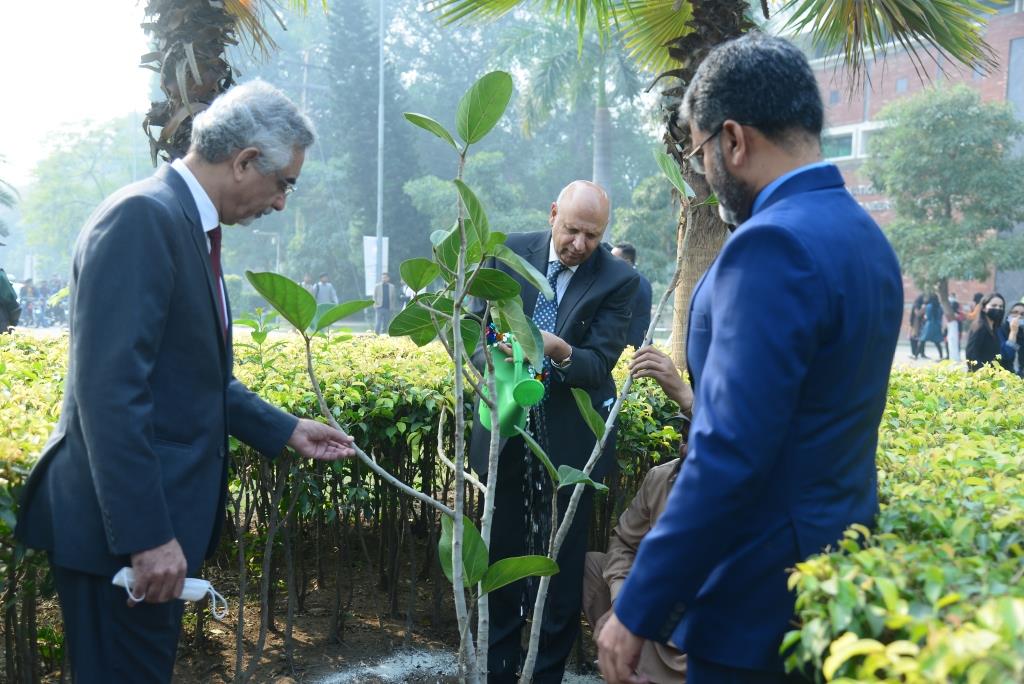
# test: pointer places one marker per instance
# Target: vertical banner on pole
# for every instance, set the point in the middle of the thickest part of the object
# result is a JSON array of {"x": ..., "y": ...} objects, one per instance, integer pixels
[{"x": 370, "y": 261}]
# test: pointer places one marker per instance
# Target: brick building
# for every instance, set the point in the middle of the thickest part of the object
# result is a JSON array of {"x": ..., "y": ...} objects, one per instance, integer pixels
[{"x": 851, "y": 119}]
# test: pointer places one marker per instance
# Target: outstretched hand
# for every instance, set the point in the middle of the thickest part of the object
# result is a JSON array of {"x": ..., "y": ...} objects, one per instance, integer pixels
[{"x": 321, "y": 442}]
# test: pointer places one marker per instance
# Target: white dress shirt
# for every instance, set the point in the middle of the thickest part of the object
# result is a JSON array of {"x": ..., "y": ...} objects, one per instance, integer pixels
[{"x": 564, "y": 277}]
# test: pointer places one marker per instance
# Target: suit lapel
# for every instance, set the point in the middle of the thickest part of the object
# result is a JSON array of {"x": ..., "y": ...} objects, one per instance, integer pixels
[
  {"x": 537, "y": 255},
  {"x": 199, "y": 241},
  {"x": 579, "y": 284}
]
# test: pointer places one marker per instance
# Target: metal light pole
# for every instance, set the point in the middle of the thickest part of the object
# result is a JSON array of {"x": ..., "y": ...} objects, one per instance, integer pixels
[
  {"x": 380, "y": 146},
  {"x": 275, "y": 240}
]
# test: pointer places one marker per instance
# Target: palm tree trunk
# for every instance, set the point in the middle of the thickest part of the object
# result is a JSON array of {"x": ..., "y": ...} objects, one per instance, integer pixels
[
  {"x": 700, "y": 242},
  {"x": 602, "y": 168}
]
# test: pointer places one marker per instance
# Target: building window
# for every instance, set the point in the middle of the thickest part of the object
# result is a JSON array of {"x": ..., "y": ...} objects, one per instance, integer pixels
[
  {"x": 837, "y": 146},
  {"x": 901, "y": 85},
  {"x": 833, "y": 97}
]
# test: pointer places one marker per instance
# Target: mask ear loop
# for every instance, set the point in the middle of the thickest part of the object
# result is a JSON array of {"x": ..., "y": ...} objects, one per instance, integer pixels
[{"x": 215, "y": 597}]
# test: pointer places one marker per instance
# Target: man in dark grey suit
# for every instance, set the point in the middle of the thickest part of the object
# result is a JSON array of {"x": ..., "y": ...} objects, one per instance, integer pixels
[
  {"x": 135, "y": 472},
  {"x": 584, "y": 332},
  {"x": 641, "y": 306}
]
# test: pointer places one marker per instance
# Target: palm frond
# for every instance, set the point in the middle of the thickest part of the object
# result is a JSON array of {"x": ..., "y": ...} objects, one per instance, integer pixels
[
  {"x": 855, "y": 28},
  {"x": 577, "y": 12},
  {"x": 649, "y": 26}
]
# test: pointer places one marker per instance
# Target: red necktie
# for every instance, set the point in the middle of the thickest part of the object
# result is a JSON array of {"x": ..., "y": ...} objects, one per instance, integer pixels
[{"x": 214, "y": 236}]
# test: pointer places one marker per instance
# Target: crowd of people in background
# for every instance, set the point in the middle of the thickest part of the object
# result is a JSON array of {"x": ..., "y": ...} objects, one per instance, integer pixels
[
  {"x": 32, "y": 304},
  {"x": 993, "y": 329}
]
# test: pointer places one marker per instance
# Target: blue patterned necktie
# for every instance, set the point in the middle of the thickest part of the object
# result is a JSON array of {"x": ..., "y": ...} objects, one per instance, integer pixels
[{"x": 545, "y": 311}]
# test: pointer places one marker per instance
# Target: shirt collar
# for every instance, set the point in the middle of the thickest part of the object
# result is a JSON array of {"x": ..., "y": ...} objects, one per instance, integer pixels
[
  {"x": 767, "y": 191},
  {"x": 207, "y": 212},
  {"x": 554, "y": 257}
]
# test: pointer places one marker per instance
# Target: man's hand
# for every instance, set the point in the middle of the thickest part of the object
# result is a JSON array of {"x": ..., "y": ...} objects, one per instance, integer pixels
[
  {"x": 652, "y": 363},
  {"x": 618, "y": 652},
  {"x": 159, "y": 573},
  {"x": 555, "y": 348},
  {"x": 322, "y": 442},
  {"x": 601, "y": 621}
]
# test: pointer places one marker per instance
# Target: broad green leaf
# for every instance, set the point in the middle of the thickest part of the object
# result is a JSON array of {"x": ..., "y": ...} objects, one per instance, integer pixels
[
  {"x": 474, "y": 551},
  {"x": 414, "y": 322},
  {"x": 482, "y": 106},
  {"x": 475, "y": 211},
  {"x": 490, "y": 283},
  {"x": 447, "y": 251},
  {"x": 539, "y": 453},
  {"x": 671, "y": 170},
  {"x": 525, "y": 330},
  {"x": 419, "y": 272},
  {"x": 569, "y": 476},
  {"x": 493, "y": 240},
  {"x": 286, "y": 296},
  {"x": 340, "y": 311},
  {"x": 428, "y": 124},
  {"x": 509, "y": 570},
  {"x": 470, "y": 333},
  {"x": 594, "y": 420},
  {"x": 524, "y": 268}
]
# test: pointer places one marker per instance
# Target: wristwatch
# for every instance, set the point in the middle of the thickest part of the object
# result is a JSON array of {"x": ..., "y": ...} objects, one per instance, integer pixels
[{"x": 565, "y": 363}]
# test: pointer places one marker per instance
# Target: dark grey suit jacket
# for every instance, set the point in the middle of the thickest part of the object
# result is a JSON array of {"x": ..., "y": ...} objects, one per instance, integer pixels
[
  {"x": 593, "y": 317},
  {"x": 139, "y": 455}
]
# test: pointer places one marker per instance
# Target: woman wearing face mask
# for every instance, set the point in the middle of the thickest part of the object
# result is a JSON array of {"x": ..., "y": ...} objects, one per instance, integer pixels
[
  {"x": 1011, "y": 334},
  {"x": 987, "y": 340}
]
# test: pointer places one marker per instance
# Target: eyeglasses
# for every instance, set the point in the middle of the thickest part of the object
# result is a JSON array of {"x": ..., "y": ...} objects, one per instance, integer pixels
[
  {"x": 285, "y": 185},
  {"x": 696, "y": 156}
]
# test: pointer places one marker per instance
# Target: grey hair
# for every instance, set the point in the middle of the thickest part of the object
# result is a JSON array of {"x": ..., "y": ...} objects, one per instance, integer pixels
[
  {"x": 759, "y": 81},
  {"x": 254, "y": 114}
]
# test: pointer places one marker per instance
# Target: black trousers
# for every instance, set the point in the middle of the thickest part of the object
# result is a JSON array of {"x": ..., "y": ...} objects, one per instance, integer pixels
[
  {"x": 515, "y": 514},
  {"x": 110, "y": 643}
]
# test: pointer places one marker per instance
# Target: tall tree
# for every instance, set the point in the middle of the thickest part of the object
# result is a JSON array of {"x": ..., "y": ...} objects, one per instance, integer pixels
[{"x": 946, "y": 163}]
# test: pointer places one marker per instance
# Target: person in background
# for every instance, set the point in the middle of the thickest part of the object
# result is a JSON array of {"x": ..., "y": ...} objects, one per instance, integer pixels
[
  {"x": 986, "y": 341},
  {"x": 307, "y": 283},
  {"x": 932, "y": 329},
  {"x": 324, "y": 292},
  {"x": 641, "y": 305},
  {"x": 953, "y": 329},
  {"x": 1011, "y": 334},
  {"x": 385, "y": 301},
  {"x": 605, "y": 573},
  {"x": 916, "y": 323}
]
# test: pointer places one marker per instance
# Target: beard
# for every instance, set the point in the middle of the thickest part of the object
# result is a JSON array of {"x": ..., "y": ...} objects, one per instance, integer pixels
[{"x": 735, "y": 198}]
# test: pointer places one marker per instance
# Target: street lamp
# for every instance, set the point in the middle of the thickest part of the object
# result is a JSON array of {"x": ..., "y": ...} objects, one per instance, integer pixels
[{"x": 276, "y": 241}]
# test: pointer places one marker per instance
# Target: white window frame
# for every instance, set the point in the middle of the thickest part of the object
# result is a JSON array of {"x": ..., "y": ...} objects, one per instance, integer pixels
[{"x": 858, "y": 131}]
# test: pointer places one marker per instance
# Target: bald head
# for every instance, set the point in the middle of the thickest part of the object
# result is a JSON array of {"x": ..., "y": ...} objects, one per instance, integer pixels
[{"x": 578, "y": 219}]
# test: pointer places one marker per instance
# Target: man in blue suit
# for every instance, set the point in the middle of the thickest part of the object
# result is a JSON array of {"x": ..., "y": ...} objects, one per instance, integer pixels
[
  {"x": 135, "y": 473},
  {"x": 792, "y": 334},
  {"x": 641, "y": 304}
]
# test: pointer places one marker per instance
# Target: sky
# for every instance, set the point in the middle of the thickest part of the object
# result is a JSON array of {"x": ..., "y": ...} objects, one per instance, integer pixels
[{"x": 64, "y": 62}]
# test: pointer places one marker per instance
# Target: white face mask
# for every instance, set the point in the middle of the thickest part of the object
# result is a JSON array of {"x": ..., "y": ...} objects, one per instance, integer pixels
[{"x": 194, "y": 590}]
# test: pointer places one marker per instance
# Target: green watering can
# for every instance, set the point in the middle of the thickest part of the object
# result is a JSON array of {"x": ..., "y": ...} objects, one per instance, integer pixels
[{"x": 517, "y": 391}]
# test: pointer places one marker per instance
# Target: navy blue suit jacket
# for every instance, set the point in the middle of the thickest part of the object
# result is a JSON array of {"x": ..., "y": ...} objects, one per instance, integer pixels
[
  {"x": 792, "y": 335},
  {"x": 139, "y": 455},
  {"x": 641, "y": 318}
]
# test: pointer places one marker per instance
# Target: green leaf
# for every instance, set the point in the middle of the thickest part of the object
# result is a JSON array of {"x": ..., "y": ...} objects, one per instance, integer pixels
[
  {"x": 470, "y": 333},
  {"x": 509, "y": 570},
  {"x": 475, "y": 211},
  {"x": 428, "y": 124},
  {"x": 490, "y": 283},
  {"x": 671, "y": 170},
  {"x": 493, "y": 240},
  {"x": 569, "y": 476},
  {"x": 447, "y": 251},
  {"x": 288, "y": 298},
  {"x": 340, "y": 311},
  {"x": 594, "y": 420},
  {"x": 513, "y": 320},
  {"x": 539, "y": 453},
  {"x": 524, "y": 268},
  {"x": 482, "y": 106},
  {"x": 474, "y": 551},
  {"x": 414, "y": 322},
  {"x": 419, "y": 272}
]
